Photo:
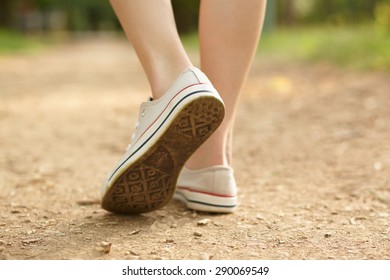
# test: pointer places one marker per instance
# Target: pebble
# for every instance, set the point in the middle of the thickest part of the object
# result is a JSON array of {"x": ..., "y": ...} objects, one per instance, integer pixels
[
  {"x": 198, "y": 234},
  {"x": 327, "y": 235},
  {"x": 169, "y": 240},
  {"x": 105, "y": 246},
  {"x": 203, "y": 222},
  {"x": 134, "y": 232},
  {"x": 259, "y": 217},
  {"x": 206, "y": 256},
  {"x": 131, "y": 252}
]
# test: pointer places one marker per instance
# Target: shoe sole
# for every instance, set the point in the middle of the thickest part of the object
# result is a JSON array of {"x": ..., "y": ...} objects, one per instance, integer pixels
[
  {"x": 149, "y": 183},
  {"x": 206, "y": 202}
]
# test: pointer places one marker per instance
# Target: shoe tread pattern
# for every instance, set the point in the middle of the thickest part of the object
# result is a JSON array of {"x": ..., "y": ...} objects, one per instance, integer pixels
[{"x": 150, "y": 182}]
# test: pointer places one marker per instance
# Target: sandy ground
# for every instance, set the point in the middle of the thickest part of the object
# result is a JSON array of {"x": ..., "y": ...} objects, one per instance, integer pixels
[{"x": 312, "y": 161}]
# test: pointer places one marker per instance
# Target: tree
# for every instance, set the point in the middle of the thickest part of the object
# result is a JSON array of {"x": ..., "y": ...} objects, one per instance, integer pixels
[{"x": 6, "y": 12}]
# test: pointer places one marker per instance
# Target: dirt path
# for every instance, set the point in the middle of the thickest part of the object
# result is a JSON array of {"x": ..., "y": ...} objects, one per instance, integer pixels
[{"x": 312, "y": 161}]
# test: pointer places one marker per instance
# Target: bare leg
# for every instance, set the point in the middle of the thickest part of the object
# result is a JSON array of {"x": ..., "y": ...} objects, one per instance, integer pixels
[
  {"x": 151, "y": 28},
  {"x": 229, "y": 33}
]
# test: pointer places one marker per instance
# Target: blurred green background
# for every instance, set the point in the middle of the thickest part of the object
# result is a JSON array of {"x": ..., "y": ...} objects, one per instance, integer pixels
[{"x": 353, "y": 33}]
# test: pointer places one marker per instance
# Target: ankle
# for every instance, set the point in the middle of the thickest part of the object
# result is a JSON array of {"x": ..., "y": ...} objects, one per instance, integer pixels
[
  {"x": 203, "y": 158},
  {"x": 194, "y": 165},
  {"x": 160, "y": 83}
]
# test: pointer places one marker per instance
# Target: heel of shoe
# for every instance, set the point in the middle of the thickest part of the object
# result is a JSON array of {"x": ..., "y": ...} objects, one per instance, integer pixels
[
  {"x": 206, "y": 202},
  {"x": 211, "y": 189}
]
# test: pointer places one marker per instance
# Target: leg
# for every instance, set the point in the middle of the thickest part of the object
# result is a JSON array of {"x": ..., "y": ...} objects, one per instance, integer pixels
[
  {"x": 229, "y": 32},
  {"x": 186, "y": 111},
  {"x": 151, "y": 28}
]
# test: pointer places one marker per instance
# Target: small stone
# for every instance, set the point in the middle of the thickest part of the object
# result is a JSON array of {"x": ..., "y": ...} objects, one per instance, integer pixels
[
  {"x": 206, "y": 256},
  {"x": 327, "y": 235},
  {"x": 131, "y": 252},
  {"x": 198, "y": 234},
  {"x": 105, "y": 246},
  {"x": 259, "y": 217},
  {"x": 169, "y": 240},
  {"x": 2, "y": 224},
  {"x": 203, "y": 222},
  {"x": 134, "y": 232}
]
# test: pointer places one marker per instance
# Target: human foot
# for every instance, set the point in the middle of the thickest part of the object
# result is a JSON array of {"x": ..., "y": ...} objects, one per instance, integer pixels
[
  {"x": 170, "y": 129},
  {"x": 210, "y": 189}
]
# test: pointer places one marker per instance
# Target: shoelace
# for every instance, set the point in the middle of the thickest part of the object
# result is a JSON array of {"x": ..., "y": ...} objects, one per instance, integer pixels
[
  {"x": 133, "y": 136},
  {"x": 141, "y": 116}
]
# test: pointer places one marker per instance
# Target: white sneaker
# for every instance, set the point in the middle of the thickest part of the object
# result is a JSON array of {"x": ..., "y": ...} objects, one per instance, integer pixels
[
  {"x": 211, "y": 189},
  {"x": 170, "y": 129}
]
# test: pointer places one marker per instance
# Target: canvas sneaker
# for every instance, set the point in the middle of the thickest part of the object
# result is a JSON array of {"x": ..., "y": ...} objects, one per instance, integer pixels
[
  {"x": 169, "y": 130},
  {"x": 211, "y": 189}
]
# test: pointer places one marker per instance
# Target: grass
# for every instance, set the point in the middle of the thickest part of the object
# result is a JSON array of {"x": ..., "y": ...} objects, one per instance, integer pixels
[
  {"x": 360, "y": 47},
  {"x": 12, "y": 42}
]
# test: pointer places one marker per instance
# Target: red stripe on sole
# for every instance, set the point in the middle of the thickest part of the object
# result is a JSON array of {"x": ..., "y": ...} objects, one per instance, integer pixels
[{"x": 203, "y": 192}]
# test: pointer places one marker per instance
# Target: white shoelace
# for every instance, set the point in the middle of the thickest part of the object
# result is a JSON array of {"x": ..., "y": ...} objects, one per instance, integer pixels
[
  {"x": 141, "y": 116},
  {"x": 132, "y": 136}
]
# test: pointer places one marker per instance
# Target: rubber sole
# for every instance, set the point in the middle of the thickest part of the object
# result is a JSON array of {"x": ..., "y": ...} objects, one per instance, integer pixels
[
  {"x": 149, "y": 183},
  {"x": 207, "y": 203}
]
